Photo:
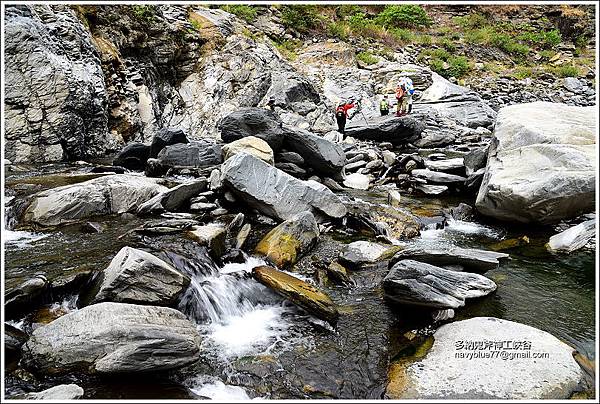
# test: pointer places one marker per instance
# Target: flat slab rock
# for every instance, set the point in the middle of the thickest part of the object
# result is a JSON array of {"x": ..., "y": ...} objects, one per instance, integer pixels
[
  {"x": 298, "y": 292},
  {"x": 61, "y": 392},
  {"x": 365, "y": 252},
  {"x": 446, "y": 372},
  {"x": 415, "y": 283},
  {"x": 470, "y": 258},
  {"x": 110, "y": 338},
  {"x": 573, "y": 238},
  {"x": 437, "y": 177}
]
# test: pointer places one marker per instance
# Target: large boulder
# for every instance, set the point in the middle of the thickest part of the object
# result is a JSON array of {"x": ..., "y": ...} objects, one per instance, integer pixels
[
  {"x": 298, "y": 292},
  {"x": 166, "y": 137},
  {"x": 135, "y": 276},
  {"x": 106, "y": 195},
  {"x": 458, "y": 103},
  {"x": 541, "y": 165},
  {"x": 61, "y": 392},
  {"x": 470, "y": 258},
  {"x": 133, "y": 156},
  {"x": 386, "y": 129},
  {"x": 275, "y": 193},
  {"x": 251, "y": 145},
  {"x": 55, "y": 95},
  {"x": 323, "y": 155},
  {"x": 415, "y": 283},
  {"x": 257, "y": 122},
  {"x": 174, "y": 198},
  {"x": 286, "y": 243},
  {"x": 363, "y": 252},
  {"x": 110, "y": 338},
  {"x": 489, "y": 358},
  {"x": 200, "y": 153}
]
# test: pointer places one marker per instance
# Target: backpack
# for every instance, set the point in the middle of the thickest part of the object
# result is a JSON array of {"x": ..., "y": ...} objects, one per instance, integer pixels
[
  {"x": 384, "y": 105},
  {"x": 339, "y": 112},
  {"x": 399, "y": 92}
]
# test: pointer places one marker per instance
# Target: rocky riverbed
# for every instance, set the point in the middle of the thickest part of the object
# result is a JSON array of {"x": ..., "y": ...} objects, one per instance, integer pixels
[{"x": 245, "y": 249}]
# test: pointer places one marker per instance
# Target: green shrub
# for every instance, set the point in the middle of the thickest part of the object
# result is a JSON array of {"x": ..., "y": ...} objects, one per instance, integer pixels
[
  {"x": 247, "y": 13},
  {"x": 541, "y": 39},
  {"x": 448, "y": 45},
  {"x": 346, "y": 10},
  {"x": 472, "y": 21},
  {"x": 457, "y": 66},
  {"x": 301, "y": 17},
  {"x": 367, "y": 58},
  {"x": 437, "y": 65},
  {"x": 522, "y": 72},
  {"x": 144, "y": 14},
  {"x": 403, "y": 16},
  {"x": 288, "y": 48},
  {"x": 482, "y": 36},
  {"x": 565, "y": 71},
  {"x": 440, "y": 54},
  {"x": 509, "y": 45},
  {"x": 402, "y": 35},
  {"x": 424, "y": 39},
  {"x": 338, "y": 30}
]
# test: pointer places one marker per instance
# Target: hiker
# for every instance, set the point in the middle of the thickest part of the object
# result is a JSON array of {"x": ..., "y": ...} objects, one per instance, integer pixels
[
  {"x": 404, "y": 93},
  {"x": 384, "y": 106},
  {"x": 341, "y": 114}
]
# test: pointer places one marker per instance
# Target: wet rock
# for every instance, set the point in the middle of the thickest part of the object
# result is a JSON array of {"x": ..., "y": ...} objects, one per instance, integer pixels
[
  {"x": 332, "y": 184},
  {"x": 573, "y": 85},
  {"x": 166, "y": 137},
  {"x": 133, "y": 156},
  {"x": 60, "y": 392},
  {"x": 13, "y": 340},
  {"x": 101, "y": 196},
  {"x": 286, "y": 243},
  {"x": 251, "y": 145},
  {"x": 292, "y": 169},
  {"x": 242, "y": 235},
  {"x": 174, "y": 198},
  {"x": 211, "y": 235},
  {"x": 356, "y": 164},
  {"x": 324, "y": 156},
  {"x": 431, "y": 189},
  {"x": 135, "y": 276},
  {"x": 389, "y": 157},
  {"x": 470, "y": 258},
  {"x": 558, "y": 142},
  {"x": 573, "y": 238},
  {"x": 357, "y": 181},
  {"x": 390, "y": 129},
  {"x": 257, "y": 122},
  {"x": 154, "y": 168},
  {"x": 450, "y": 370},
  {"x": 475, "y": 160},
  {"x": 202, "y": 206},
  {"x": 199, "y": 153},
  {"x": 437, "y": 177},
  {"x": 455, "y": 165},
  {"x": 394, "y": 198},
  {"x": 298, "y": 292},
  {"x": 415, "y": 283},
  {"x": 108, "y": 169},
  {"x": 384, "y": 220},
  {"x": 360, "y": 253},
  {"x": 27, "y": 295},
  {"x": 337, "y": 271},
  {"x": 111, "y": 338},
  {"x": 460, "y": 212},
  {"x": 275, "y": 193},
  {"x": 509, "y": 243}
]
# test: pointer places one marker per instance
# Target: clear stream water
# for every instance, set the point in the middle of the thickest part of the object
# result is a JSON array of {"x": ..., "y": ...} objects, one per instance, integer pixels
[{"x": 255, "y": 344}]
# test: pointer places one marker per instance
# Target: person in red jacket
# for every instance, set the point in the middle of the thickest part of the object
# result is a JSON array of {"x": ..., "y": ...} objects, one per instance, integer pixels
[{"x": 341, "y": 114}]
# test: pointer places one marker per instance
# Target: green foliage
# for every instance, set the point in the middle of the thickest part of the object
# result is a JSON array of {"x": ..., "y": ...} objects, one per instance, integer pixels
[
  {"x": 402, "y": 35},
  {"x": 367, "y": 58},
  {"x": 471, "y": 21},
  {"x": 454, "y": 66},
  {"x": 338, "y": 30},
  {"x": 301, "y": 17},
  {"x": 541, "y": 39},
  {"x": 522, "y": 72},
  {"x": 288, "y": 48},
  {"x": 347, "y": 10},
  {"x": 403, "y": 16},
  {"x": 247, "y": 13},
  {"x": 448, "y": 44},
  {"x": 144, "y": 14},
  {"x": 508, "y": 44},
  {"x": 424, "y": 39},
  {"x": 564, "y": 70}
]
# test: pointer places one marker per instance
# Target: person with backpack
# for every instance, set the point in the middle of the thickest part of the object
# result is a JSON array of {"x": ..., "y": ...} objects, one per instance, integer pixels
[
  {"x": 341, "y": 114},
  {"x": 384, "y": 106},
  {"x": 404, "y": 93}
]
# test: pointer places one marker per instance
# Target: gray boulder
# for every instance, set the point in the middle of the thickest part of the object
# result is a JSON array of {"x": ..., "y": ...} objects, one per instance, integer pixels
[
  {"x": 415, "y": 283},
  {"x": 541, "y": 166},
  {"x": 135, "y": 276},
  {"x": 258, "y": 122},
  {"x": 451, "y": 166},
  {"x": 386, "y": 129},
  {"x": 455, "y": 368},
  {"x": 437, "y": 177},
  {"x": 275, "y": 193},
  {"x": 475, "y": 160},
  {"x": 61, "y": 392},
  {"x": 201, "y": 153},
  {"x": 133, "y": 156},
  {"x": 20, "y": 299},
  {"x": 106, "y": 195},
  {"x": 469, "y": 258},
  {"x": 174, "y": 198},
  {"x": 360, "y": 253},
  {"x": 166, "y": 137},
  {"x": 321, "y": 154},
  {"x": 109, "y": 338},
  {"x": 458, "y": 103},
  {"x": 573, "y": 238}
]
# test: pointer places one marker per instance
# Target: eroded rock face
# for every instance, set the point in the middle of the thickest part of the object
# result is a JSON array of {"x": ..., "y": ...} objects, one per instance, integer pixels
[
  {"x": 135, "y": 276},
  {"x": 558, "y": 144},
  {"x": 299, "y": 292},
  {"x": 286, "y": 243},
  {"x": 55, "y": 96},
  {"x": 106, "y": 195},
  {"x": 448, "y": 372},
  {"x": 110, "y": 338},
  {"x": 276, "y": 193},
  {"x": 415, "y": 283}
]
